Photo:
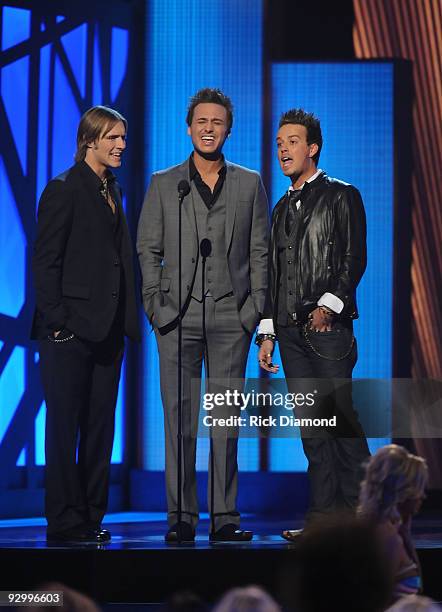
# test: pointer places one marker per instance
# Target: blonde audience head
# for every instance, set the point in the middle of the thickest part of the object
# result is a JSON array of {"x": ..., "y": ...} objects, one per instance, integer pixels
[
  {"x": 394, "y": 483},
  {"x": 247, "y": 599}
]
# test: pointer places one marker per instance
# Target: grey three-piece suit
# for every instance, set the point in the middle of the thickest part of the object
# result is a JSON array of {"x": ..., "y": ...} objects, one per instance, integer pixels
[{"x": 235, "y": 285}]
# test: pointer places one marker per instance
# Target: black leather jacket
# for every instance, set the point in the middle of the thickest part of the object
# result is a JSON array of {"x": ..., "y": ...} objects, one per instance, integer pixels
[{"x": 330, "y": 250}]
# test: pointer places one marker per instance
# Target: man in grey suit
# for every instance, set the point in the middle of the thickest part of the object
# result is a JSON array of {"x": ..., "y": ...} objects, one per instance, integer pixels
[{"x": 227, "y": 206}]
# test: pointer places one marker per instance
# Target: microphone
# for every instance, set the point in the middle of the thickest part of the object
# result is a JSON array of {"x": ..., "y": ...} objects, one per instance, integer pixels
[
  {"x": 183, "y": 189},
  {"x": 205, "y": 248}
]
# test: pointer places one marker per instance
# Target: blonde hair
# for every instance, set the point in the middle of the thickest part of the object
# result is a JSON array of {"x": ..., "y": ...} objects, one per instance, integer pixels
[
  {"x": 392, "y": 476},
  {"x": 95, "y": 123},
  {"x": 247, "y": 599}
]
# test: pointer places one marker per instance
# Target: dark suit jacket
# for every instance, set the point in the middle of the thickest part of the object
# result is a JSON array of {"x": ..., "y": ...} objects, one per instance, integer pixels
[{"x": 77, "y": 264}]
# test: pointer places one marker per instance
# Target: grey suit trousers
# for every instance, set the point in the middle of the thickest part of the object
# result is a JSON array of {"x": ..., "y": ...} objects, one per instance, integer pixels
[{"x": 228, "y": 345}]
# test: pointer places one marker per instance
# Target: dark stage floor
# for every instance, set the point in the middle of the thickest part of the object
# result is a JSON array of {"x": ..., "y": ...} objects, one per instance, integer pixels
[
  {"x": 137, "y": 566},
  {"x": 139, "y": 530}
]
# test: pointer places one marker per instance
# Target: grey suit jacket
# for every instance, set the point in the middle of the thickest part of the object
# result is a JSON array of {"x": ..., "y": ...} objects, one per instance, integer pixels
[{"x": 247, "y": 221}]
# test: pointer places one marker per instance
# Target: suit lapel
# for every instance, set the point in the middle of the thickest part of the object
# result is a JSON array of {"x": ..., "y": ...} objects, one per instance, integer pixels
[
  {"x": 232, "y": 193},
  {"x": 308, "y": 199},
  {"x": 188, "y": 205},
  {"x": 116, "y": 196},
  {"x": 91, "y": 184},
  {"x": 103, "y": 212}
]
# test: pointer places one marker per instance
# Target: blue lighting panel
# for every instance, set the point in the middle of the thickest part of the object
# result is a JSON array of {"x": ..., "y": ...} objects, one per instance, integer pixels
[
  {"x": 153, "y": 447},
  {"x": 119, "y": 54},
  {"x": 43, "y": 113},
  {"x": 192, "y": 44},
  {"x": 97, "y": 85},
  {"x": 75, "y": 45},
  {"x": 59, "y": 145},
  {"x": 14, "y": 91},
  {"x": 12, "y": 387},
  {"x": 12, "y": 261},
  {"x": 21, "y": 461},
  {"x": 66, "y": 120},
  {"x": 354, "y": 102},
  {"x": 16, "y": 26},
  {"x": 39, "y": 441},
  {"x": 117, "y": 449}
]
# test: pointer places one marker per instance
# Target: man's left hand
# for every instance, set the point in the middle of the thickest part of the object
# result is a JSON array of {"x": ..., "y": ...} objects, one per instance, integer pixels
[
  {"x": 265, "y": 356},
  {"x": 321, "y": 320}
]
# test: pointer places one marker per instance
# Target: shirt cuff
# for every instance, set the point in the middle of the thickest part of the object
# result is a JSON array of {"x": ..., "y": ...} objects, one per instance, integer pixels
[
  {"x": 329, "y": 300},
  {"x": 266, "y": 327}
]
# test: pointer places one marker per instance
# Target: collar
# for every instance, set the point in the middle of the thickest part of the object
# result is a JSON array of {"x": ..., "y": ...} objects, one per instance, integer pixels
[
  {"x": 193, "y": 172},
  {"x": 309, "y": 180},
  {"x": 92, "y": 177}
]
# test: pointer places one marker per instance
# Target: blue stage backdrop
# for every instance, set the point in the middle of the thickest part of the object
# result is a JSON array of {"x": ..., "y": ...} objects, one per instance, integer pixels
[
  {"x": 52, "y": 69},
  {"x": 192, "y": 44},
  {"x": 354, "y": 102}
]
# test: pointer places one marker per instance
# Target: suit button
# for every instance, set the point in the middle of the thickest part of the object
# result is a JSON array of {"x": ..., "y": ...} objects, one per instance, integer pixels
[
  {"x": 289, "y": 261},
  {"x": 210, "y": 268},
  {"x": 209, "y": 280},
  {"x": 330, "y": 241},
  {"x": 290, "y": 292},
  {"x": 289, "y": 277},
  {"x": 114, "y": 294},
  {"x": 328, "y": 267},
  {"x": 116, "y": 263},
  {"x": 209, "y": 229},
  {"x": 193, "y": 259},
  {"x": 290, "y": 247},
  {"x": 188, "y": 287}
]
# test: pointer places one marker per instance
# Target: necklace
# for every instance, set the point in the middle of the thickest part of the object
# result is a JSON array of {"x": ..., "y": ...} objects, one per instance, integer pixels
[{"x": 104, "y": 189}]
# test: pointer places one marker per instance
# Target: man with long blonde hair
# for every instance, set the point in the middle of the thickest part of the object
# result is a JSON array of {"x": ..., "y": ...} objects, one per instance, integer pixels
[{"x": 85, "y": 305}]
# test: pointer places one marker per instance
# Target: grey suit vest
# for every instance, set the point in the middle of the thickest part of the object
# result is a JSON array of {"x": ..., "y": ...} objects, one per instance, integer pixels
[{"x": 211, "y": 224}]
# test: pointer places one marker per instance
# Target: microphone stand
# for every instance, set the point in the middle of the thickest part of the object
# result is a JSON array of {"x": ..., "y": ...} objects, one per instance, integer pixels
[
  {"x": 205, "y": 250},
  {"x": 183, "y": 190}
]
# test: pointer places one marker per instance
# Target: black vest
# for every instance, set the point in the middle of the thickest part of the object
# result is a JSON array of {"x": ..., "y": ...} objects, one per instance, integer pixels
[{"x": 287, "y": 295}]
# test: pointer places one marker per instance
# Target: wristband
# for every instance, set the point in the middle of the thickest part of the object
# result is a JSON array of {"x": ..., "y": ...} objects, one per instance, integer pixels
[{"x": 261, "y": 337}]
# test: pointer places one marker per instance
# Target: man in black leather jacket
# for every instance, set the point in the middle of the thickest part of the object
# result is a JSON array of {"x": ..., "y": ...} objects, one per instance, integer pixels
[{"x": 317, "y": 257}]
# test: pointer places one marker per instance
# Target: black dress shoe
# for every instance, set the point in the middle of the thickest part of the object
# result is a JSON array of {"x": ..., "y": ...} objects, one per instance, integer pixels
[
  {"x": 77, "y": 535},
  {"x": 292, "y": 535},
  {"x": 187, "y": 533},
  {"x": 231, "y": 533},
  {"x": 105, "y": 533}
]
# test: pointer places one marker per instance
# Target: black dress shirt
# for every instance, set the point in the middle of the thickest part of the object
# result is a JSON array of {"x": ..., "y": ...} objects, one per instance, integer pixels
[{"x": 204, "y": 190}]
